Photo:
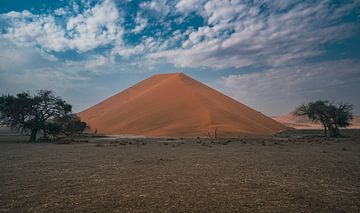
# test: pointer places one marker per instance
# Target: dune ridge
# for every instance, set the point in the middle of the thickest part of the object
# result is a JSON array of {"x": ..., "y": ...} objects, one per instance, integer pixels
[{"x": 175, "y": 105}]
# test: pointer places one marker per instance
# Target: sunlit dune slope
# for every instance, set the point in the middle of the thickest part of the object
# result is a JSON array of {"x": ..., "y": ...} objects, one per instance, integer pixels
[{"x": 175, "y": 105}]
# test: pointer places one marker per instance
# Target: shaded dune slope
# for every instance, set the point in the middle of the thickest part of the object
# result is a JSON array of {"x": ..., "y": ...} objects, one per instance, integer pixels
[{"x": 175, "y": 105}]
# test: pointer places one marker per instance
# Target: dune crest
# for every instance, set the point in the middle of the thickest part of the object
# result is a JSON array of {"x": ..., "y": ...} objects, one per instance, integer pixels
[{"x": 175, "y": 105}]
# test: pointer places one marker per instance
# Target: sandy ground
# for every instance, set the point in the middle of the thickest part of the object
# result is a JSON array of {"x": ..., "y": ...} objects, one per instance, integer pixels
[{"x": 291, "y": 172}]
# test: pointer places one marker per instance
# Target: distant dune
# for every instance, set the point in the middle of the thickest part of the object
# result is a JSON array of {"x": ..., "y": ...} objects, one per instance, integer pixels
[
  {"x": 304, "y": 123},
  {"x": 175, "y": 105}
]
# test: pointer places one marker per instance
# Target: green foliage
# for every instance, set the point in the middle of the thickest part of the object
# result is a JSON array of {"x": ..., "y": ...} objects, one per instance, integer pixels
[
  {"x": 70, "y": 124},
  {"x": 33, "y": 113},
  {"x": 332, "y": 117}
]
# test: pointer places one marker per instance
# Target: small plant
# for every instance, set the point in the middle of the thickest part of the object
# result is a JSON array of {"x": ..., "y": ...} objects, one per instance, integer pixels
[{"x": 215, "y": 133}]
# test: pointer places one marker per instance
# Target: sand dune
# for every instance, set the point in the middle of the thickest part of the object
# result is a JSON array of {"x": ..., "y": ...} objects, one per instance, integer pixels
[
  {"x": 303, "y": 122},
  {"x": 175, "y": 105}
]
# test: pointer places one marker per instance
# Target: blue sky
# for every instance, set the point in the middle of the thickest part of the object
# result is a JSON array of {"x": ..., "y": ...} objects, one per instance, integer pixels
[{"x": 270, "y": 55}]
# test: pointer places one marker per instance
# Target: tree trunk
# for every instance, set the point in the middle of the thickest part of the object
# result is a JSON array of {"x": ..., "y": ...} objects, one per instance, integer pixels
[
  {"x": 45, "y": 135},
  {"x": 334, "y": 131},
  {"x": 325, "y": 128},
  {"x": 33, "y": 135}
]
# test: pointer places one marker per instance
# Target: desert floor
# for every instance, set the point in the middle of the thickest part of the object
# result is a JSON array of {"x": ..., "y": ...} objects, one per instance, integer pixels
[{"x": 291, "y": 172}]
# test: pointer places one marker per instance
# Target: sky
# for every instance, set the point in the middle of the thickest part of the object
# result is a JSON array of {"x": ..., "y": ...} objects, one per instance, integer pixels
[{"x": 270, "y": 55}]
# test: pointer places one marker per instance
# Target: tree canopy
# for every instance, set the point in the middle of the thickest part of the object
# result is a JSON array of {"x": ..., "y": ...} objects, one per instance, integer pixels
[
  {"x": 40, "y": 112},
  {"x": 332, "y": 117},
  {"x": 69, "y": 124}
]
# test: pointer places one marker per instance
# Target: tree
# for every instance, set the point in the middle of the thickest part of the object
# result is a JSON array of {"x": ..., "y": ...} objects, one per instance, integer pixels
[
  {"x": 32, "y": 113},
  {"x": 332, "y": 117},
  {"x": 315, "y": 111},
  {"x": 69, "y": 125}
]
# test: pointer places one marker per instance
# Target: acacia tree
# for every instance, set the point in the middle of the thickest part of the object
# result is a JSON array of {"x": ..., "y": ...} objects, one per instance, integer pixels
[
  {"x": 32, "y": 113},
  {"x": 332, "y": 117},
  {"x": 340, "y": 116},
  {"x": 69, "y": 125}
]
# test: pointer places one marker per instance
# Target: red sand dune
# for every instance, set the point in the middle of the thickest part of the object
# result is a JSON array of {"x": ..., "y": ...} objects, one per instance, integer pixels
[
  {"x": 303, "y": 122},
  {"x": 175, "y": 105}
]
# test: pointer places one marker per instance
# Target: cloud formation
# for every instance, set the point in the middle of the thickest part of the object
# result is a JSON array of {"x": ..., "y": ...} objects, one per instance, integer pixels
[
  {"x": 284, "y": 43},
  {"x": 96, "y": 26},
  {"x": 234, "y": 34},
  {"x": 240, "y": 34},
  {"x": 282, "y": 89}
]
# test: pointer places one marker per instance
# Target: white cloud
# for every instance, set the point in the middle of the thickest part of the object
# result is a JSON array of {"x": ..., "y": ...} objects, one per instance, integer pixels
[
  {"x": 238, "y": 35},
  {"x": 130, "y": 51},
  {"x": 13, "y": 14},
  {"x": 224, "y": 11},
  {"x": 98, "y": 26},
  {"x": 277, "y": 91},
  {"x": 93, "y": 63},
  {"x": 188, "y": 6},
  {"x": 157, "y": 8},
  {"x": 146, "y": 46},
  {"x": 235, "y": 33},
  {"x": 60, "y": 12},
  {"x": 95, "y": 27},
  {"x": 141, "y": 23}
]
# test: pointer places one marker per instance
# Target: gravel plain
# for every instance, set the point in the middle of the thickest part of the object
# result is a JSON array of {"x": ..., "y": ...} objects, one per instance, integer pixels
[{"x": 295, "y": 171}]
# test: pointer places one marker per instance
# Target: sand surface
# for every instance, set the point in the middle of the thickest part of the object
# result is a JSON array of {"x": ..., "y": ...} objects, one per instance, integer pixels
[{"x": 175, "y": 105}]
